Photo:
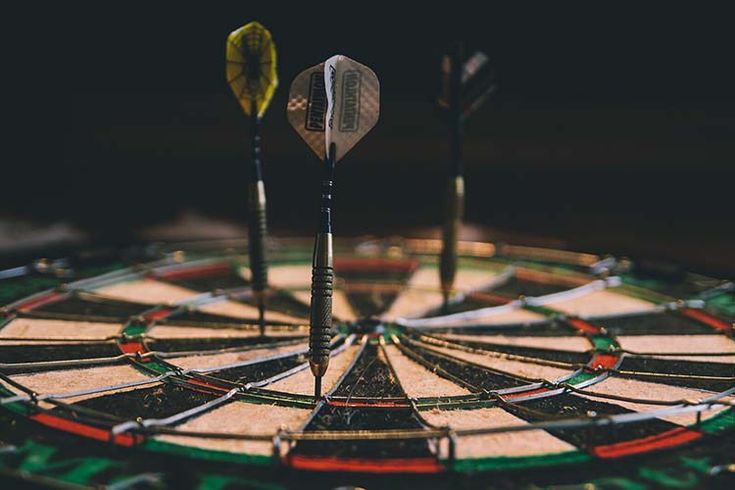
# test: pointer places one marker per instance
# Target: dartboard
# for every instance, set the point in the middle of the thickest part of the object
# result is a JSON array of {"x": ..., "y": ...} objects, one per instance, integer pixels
[{"x": 546, "y": 367}]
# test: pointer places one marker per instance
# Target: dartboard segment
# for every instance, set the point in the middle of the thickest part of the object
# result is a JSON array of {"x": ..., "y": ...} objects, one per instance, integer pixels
[{"x": 537, "y": 362}]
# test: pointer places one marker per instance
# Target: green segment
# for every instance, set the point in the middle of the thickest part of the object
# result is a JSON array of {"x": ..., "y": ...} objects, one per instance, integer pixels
[
  {"x": 722, "y": 421},
  {"x": 510, "y": 463},
  {"x": 207, "y": 454},
  {"x": 603, "y": 343},
  {"x": 724, "y": 303}
]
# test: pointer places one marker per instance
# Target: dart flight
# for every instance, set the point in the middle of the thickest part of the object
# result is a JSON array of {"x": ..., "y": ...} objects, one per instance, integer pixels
[
  {"x": 251, "y": 67},
  {"x": 332, "y": 106},
  {"x": 337, "y": 101},
  {"x": 251, "y": 73}
]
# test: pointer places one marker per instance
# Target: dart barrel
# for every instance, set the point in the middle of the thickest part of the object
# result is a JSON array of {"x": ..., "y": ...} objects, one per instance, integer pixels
[
  {"x": 322, "y": 284},
  {"x": 451, "y": 228},
  {"x": 257, "y": 232}
]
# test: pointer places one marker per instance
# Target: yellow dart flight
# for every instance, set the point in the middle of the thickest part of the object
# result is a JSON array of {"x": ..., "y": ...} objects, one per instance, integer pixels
[{"x": 251, "y": 67}]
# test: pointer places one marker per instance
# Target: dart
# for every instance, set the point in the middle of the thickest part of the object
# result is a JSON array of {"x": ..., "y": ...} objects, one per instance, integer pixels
[
  {"x": 466, "y": 84},
  {"x": 251, "y": 73},
  {"x": 332, "y": 106}
]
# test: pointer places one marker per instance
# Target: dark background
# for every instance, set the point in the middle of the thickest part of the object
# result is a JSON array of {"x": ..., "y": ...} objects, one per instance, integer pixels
[{"x": 613, "y": 129}]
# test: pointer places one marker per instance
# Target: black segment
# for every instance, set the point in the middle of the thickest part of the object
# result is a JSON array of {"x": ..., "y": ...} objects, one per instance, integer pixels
[
  {"x": 366, "y": 288},
  {"x": 470, "y": 302},
  {"x": 647, "y": 368},
  {"x": 570, "y": 406},
  {"x": 261, "y": 370},
  {"x": 187, "y": 316},
  {"x": 53, "y": 352},
  {"x": 477, "y": 376},
  {"x": 331, "y": 418},
  {"x": 539, "y": 329},
  {"x": 534, "y": 352},
  {"x": 282, "y": 302},
  {"x": 211, "y": 344},
  {"x": 153, "y": 402},
  {"x": 90, "y": 307},
  {"x": 370, "y": 377},
  {"x": 653, "y": 324}
]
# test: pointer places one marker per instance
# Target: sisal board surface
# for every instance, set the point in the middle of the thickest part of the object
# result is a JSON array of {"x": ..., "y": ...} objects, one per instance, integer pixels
[
  {"x": 303, "y": 381},
  {"x": 512, "y": 444},
  {"x": 70, "y": 380},
  {"x": 599, "y": 303},
  {"x": 240, "y": 418},
  {"x": 653, "y": 344},
  {"x": 423, "y": 291},
  {"x": 224, "y": 359},
  {"x": 522, "y": 369},
  {"x": 417, "y": 381},
  {"x": 576, "y": 343},
  {"x": 38, "y": 328},
  {"x": 147, "y": 291},
  {"x": 654, "y": 391}
]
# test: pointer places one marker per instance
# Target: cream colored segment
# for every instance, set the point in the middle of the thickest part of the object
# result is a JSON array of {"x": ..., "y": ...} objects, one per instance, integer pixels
[
  {"x": 576, "y": 343},
  {"x": 286, "y": 276},
  {"x": 245, "y": 311},
  {"x": 599, "y": 303},
  {"x": 71, "y": 380},
  {"x": 509, "y": 444},
  {"x": 653, "y": 344},
  {"x": 423, "y": 290},
  {"x": 518, "y": 368},
  {"x": 37, "y": 328},
  {"x": 514, "y": 317},
  {"x": 239, "y": 418},
  {"x": 341, "y": 307},
  {"x": 177, "y": 332},
  {"x": 652, "y": 391},
  {"x": 147, "y": 291},
  {"x": 417, "y": 381},
  {"x": 303, "y": 381},
  {"x": 226, "y": 358}
]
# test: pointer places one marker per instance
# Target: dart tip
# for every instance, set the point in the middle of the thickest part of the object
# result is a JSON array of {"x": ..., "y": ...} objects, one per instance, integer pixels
[
  {"x": 445, "y": 303},
  {"x": 317, "y": 388}
]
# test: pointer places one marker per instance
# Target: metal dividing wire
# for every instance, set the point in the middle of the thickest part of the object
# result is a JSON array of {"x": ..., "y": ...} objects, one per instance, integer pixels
[{"x": 511, "y": 357}]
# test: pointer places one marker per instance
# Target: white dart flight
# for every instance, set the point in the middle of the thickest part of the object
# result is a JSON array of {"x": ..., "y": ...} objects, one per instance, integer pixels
[{"x": 332, "y": 106}]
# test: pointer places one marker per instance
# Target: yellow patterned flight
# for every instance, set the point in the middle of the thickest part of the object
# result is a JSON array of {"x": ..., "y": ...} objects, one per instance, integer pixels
[{"x": 251, "y": 67}]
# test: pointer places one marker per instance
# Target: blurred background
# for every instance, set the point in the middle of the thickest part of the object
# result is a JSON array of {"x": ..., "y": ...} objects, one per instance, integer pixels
[{"x": 612, "y": 130}]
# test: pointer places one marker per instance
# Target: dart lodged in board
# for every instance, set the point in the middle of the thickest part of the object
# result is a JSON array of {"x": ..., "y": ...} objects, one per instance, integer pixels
[{"x": 332, "y": 106}]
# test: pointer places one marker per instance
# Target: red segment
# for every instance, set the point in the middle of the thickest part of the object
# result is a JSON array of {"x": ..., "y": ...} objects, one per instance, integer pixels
[
  {"x": 524, "y": 393},
  {"x": 85, "y": 430},
  {"x": 135, "y": 348},
  {"x": 670, "y": 438},
  {"x": 156, "y": 315},
  {"x": 603, "y": 361},
  {"x": 392, "y": 465},
  {"x": 583, "y": 326},
  {"x": 707, "y": 319},
  {"x": 197, "y": 271},
  {"x": 345, "y": 264},
  {"x": 40, "y": 301}
]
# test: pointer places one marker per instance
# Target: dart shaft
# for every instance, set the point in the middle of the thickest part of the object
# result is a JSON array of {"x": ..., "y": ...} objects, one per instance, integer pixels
[{"x": 450, "y": 234}]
